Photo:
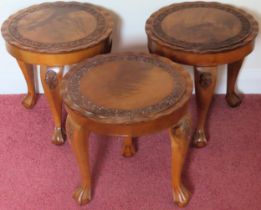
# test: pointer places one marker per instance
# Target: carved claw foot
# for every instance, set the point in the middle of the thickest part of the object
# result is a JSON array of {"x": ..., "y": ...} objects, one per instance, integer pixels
[
  {"x": 29, "y": 101},
  {"x": 233, "y": 100},
  {"x": 58, "y": 136},
  {"x": 181, "y": 196},
  {"x": 199, "y": 139},
  {"x": 82, "y": 195},
  {"x": 128, "y": 150}
]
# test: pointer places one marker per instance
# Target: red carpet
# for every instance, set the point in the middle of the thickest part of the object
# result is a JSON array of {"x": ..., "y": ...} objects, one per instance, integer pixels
[{"x": 34, "y": 174}]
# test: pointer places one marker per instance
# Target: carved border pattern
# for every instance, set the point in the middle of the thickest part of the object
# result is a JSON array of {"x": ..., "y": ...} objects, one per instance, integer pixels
[
  {"x": 104, "y": 26},
  {"x": 72, "y": 96},
  {"x": 158, "y": 31}
]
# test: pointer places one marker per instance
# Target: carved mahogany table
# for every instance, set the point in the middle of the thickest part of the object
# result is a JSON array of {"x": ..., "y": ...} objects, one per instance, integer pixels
[
  {"x": 128, "y": 95},
  {"x": 55, "y": 35},
  {"x": 204, "y": 35}
]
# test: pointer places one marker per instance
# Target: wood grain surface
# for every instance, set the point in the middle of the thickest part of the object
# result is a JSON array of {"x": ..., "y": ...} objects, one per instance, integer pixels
[
  {"x": 201, "y": 26},
  {"x": 124, "y": 86},
  {"x": 57, "y": 27}
]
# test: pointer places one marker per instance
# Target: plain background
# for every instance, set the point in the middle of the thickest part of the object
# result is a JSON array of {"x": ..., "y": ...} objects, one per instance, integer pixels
[{"x": 129, "y": 35}]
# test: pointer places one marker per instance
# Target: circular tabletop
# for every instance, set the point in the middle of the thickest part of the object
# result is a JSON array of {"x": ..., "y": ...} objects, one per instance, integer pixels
[
  {"x": 57, "y": 27},
  {"x": 127, "y": 87},
  {"x": 201, "y": 27}
]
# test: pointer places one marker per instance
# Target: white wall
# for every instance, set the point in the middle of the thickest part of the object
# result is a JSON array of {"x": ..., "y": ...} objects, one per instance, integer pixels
[{"x": 130, "y": 36}]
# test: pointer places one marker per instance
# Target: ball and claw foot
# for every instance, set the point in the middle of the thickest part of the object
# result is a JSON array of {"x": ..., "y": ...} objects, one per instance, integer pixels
[
  {"x": 199, "y": 139},
  {"x": 128, "y": 150},
  {"x": 82, "y": 195},
  {"x": 58, "y": 136},
  {"x": 181, "y": 196},
  {"x": 29, "y": 101},
  {"x": 233, "y": 100}
]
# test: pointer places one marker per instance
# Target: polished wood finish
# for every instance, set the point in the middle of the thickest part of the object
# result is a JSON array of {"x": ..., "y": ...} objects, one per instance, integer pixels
[
  {"x": 205, "y": 82},
  {"x": 54, "y": 35},
  {"x": 57, "y": 27},
  {"x": 131, "y": 82},
  {"x": 129, "y": 95},
  {"x": 179, "y": 136},
  {"x": 233, "y": 99},
  {"x": 204, "y": 35},
  {"x": 79, "y": 142},
  {"x": 51, "y": 84},
  {"x": 28, "y": 71}
]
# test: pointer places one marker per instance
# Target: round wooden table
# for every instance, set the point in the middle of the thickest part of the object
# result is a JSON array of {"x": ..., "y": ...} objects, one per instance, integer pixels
[
  {"x": 129, "y": 95},
  {"x": 55, "y": 35},
  {"x": 204, "y": 35}
]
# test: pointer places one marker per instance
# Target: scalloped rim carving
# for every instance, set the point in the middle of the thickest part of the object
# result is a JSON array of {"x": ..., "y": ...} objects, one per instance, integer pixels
[
  {"x": 71, "y": 94},
  {"x": 159, "y": 40},
  {"x": 103, "y": 32}
]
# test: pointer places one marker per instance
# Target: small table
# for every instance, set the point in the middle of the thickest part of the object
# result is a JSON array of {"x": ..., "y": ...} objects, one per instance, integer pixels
[
  {"x": 127, "y": 95},
  {"x": 55, "y": 35},
  {"x": 204, "y": 35}
]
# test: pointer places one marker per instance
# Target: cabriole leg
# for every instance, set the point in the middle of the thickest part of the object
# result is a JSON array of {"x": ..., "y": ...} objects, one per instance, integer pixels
[
  {"x": 51, "y": 84},
  {"x": 232, "y": 97},
  {"x": 28, "y": 71},
  {"x": 79, "y": 142},
  {"x": 205, "y": 83},
  {"x": 179, "y": 136}
]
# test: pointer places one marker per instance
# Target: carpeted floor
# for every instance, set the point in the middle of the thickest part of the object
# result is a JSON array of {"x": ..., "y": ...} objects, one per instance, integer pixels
[{"x": 34, "y": 174}]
